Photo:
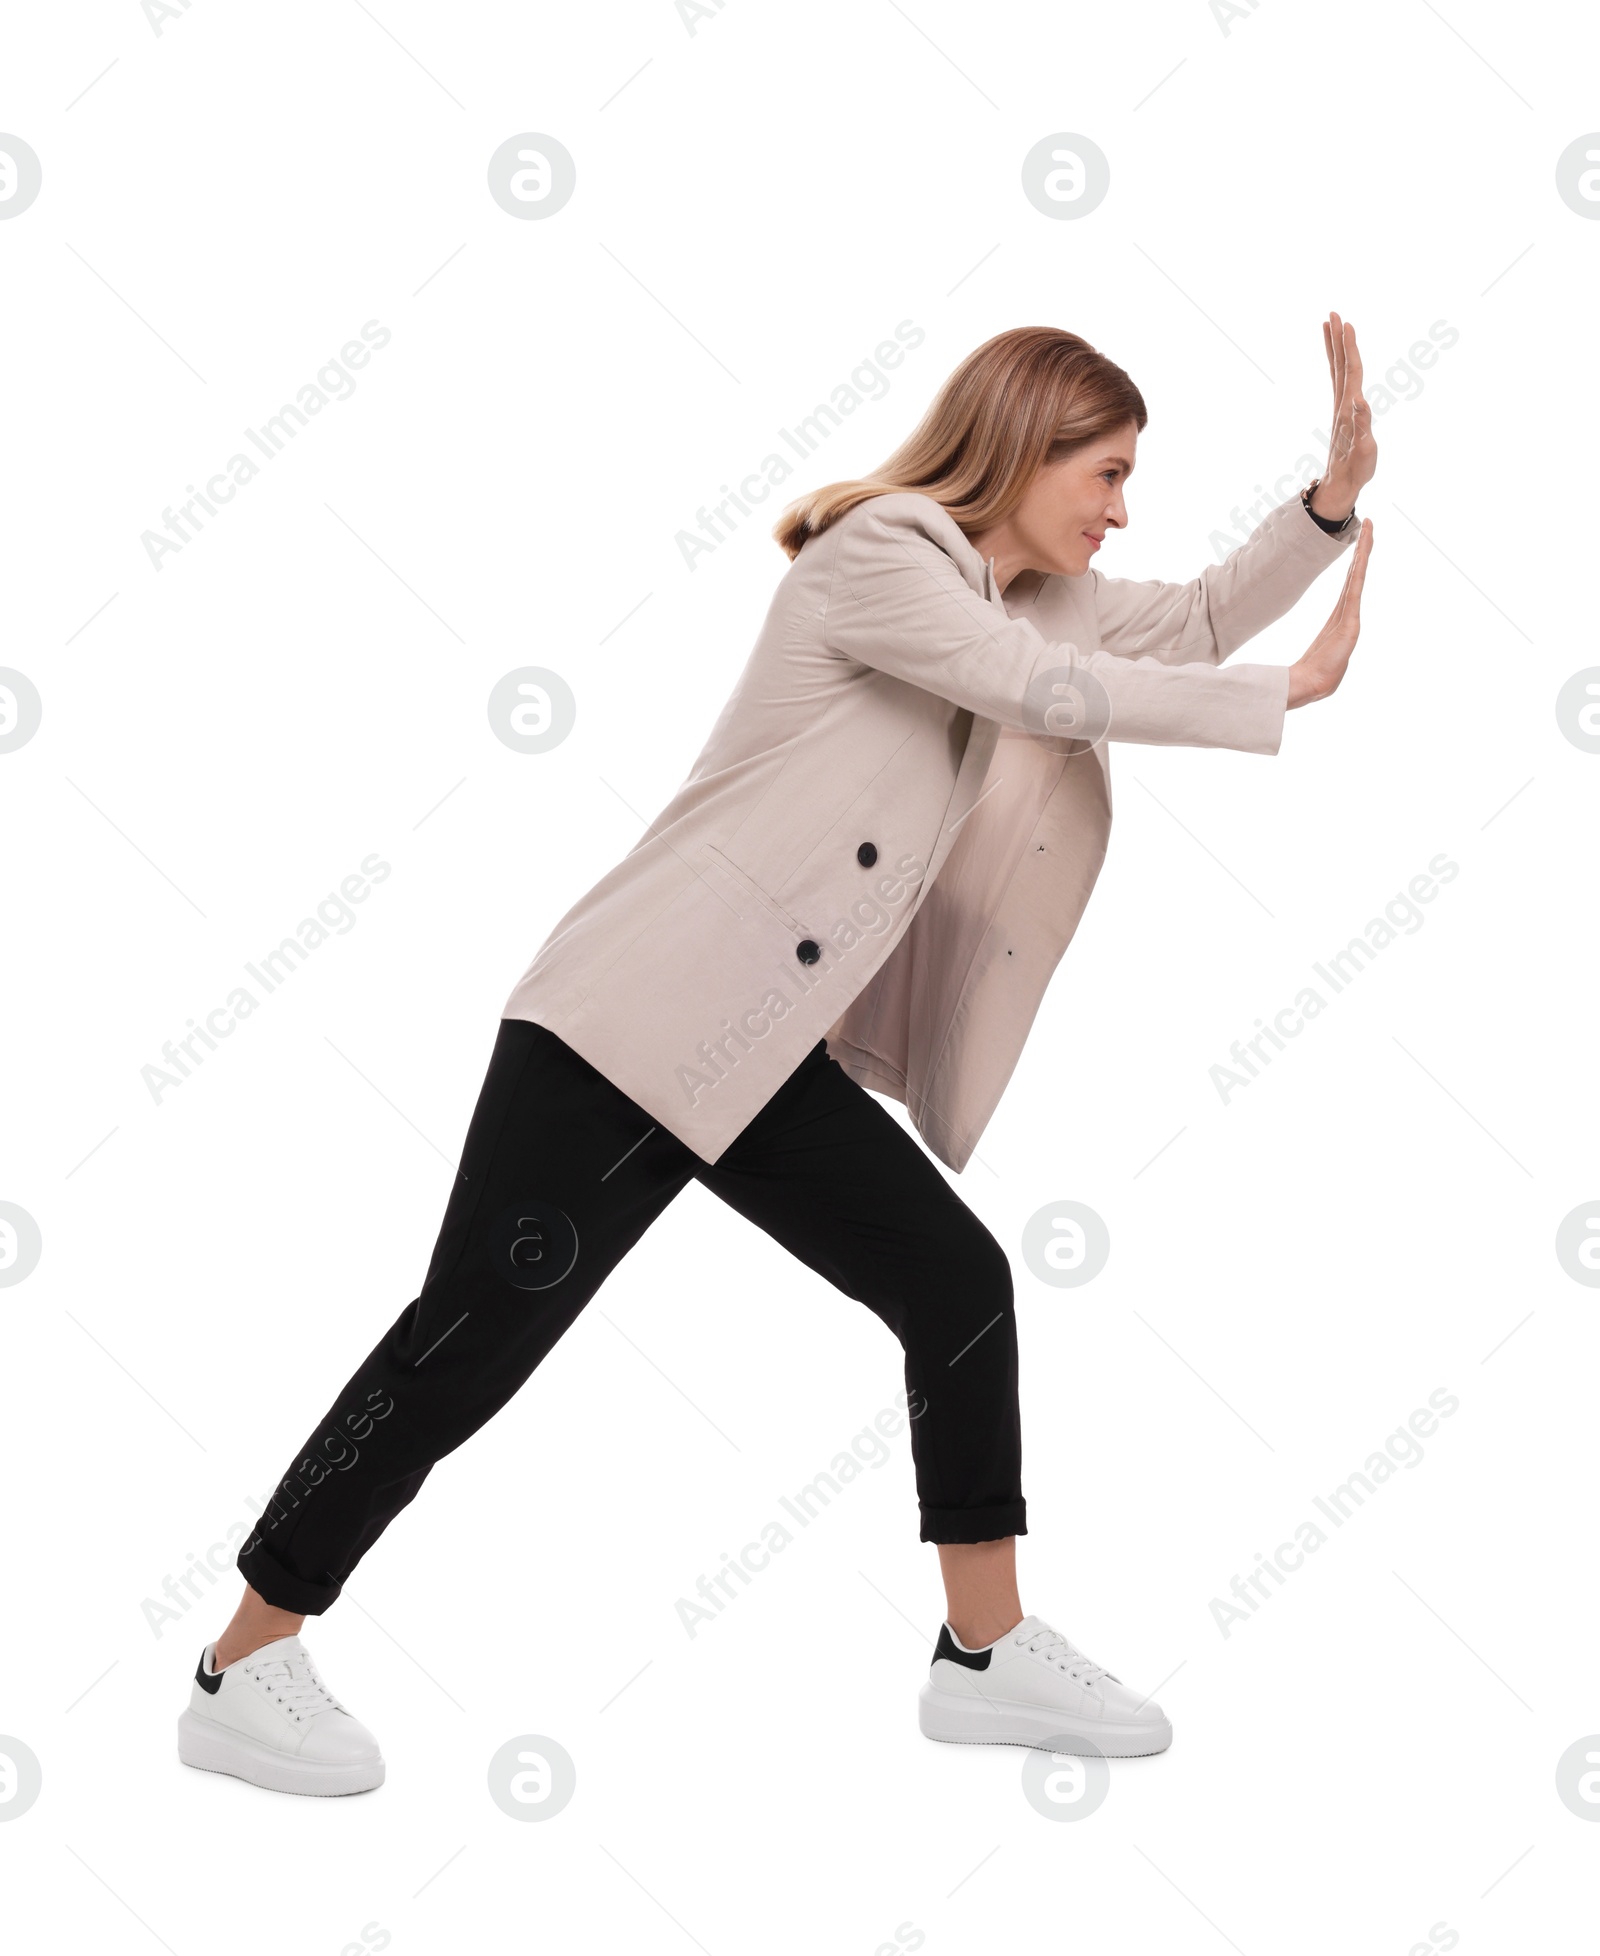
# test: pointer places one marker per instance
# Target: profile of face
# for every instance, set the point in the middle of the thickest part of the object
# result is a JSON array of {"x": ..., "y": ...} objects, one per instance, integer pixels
[{"x": 1069, "y": 506}]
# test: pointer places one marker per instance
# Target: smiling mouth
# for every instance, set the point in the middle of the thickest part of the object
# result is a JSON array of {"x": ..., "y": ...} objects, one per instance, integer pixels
[{"x": 1096, "y": 541}]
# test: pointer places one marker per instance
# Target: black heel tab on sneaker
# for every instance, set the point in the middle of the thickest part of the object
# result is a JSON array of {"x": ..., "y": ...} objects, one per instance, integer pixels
[
  {"x": 203, "y": 1678},
  {"x": 972, "y": 1660}
]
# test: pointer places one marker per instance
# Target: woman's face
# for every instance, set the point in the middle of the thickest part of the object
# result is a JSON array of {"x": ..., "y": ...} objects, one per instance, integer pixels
[{"x": 1069, "y": 506}]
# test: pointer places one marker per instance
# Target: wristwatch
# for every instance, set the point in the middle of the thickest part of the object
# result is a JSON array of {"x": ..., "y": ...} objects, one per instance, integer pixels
[{"x": 1334, "y": 528}]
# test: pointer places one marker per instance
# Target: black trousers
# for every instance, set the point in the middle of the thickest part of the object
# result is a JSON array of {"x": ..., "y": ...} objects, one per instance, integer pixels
[{"x": 560, "y": 1176}]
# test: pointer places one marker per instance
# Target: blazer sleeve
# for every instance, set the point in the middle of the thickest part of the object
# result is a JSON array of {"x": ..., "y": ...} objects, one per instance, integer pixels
[
  {"x": 1214, "y": 613},
  {"x": 897, "y": 601}
]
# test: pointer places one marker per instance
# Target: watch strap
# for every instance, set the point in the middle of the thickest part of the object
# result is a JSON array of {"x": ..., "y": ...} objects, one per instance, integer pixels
[{"x": 1331, "y": 526}]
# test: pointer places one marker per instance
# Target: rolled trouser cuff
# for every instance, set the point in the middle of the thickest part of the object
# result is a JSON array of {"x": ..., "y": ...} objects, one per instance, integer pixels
[
  {"x": 280, "y": 1587},
  {"x": 991, "y": 1524}
]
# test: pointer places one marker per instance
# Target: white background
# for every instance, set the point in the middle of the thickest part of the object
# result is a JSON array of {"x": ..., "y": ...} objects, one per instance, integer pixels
[{"x": 758, "y": 203}]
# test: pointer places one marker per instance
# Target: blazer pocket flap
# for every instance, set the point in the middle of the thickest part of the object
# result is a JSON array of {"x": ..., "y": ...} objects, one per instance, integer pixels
[{"x": 747, "y": 895}]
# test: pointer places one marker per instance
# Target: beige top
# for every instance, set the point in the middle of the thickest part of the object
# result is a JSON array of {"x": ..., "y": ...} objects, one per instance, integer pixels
[{"x": 883, "y": 841}]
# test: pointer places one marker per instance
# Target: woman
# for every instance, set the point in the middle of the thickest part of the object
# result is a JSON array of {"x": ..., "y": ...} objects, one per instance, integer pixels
[{"x": 866, "y": 880}]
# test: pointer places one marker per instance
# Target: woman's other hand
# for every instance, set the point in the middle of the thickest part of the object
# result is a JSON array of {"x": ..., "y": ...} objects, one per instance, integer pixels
[{"x": 1317, "y": 672}]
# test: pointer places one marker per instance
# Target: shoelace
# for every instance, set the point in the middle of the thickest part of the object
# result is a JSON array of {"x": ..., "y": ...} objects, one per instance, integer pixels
[
  {"x": 1056, "y": 1649},
  {"x": 301, "y": 1697}
]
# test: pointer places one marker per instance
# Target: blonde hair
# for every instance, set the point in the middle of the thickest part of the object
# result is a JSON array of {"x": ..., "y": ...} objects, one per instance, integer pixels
[{"x": 1028, "y": 396}]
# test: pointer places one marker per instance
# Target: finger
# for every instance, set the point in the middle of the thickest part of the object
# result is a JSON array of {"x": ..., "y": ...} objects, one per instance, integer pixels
[
  {"x": 1356, "y": 576},
  {"x": 1353, "y": 367},
  {"x": 1355, "y": 571},
  {"x": 1327, "y": 347},
  {"x": 1336, "y": 331}
]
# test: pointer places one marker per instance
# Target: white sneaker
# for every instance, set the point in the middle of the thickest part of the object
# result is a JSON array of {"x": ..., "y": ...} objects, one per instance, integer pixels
[
  {"x": 270, "y": 1719},
  {"x": 1033, "y": 1687}
]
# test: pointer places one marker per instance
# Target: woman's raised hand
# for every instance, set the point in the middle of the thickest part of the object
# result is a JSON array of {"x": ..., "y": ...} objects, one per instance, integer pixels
[
  {"x": 1317, "y": 672},
  {"x": 1352, "y": 447}
]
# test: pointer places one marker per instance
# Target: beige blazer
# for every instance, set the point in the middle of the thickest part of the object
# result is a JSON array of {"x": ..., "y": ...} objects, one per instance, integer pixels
[{"x": 893, "y": 829}]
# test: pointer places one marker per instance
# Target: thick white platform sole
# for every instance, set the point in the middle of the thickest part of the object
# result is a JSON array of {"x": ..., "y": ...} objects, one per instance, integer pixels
[
  {"x": 1006, "y": 1721},
  {"x": 214, "y": 1749}
]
